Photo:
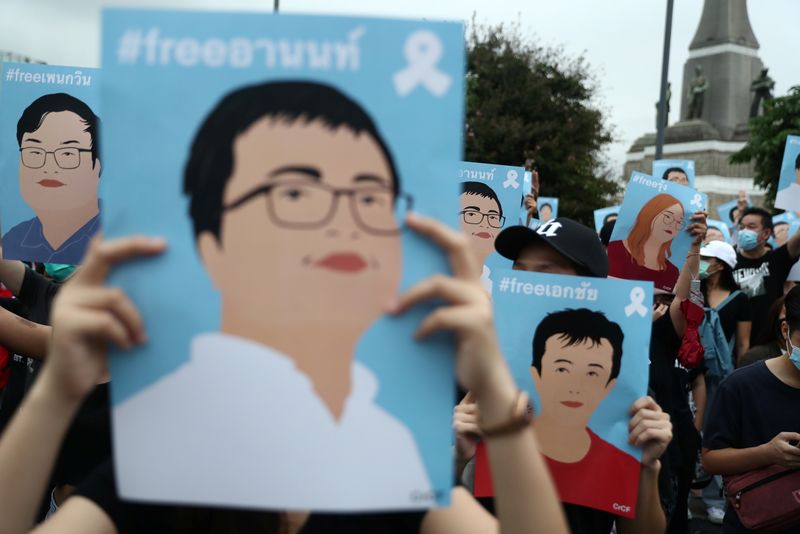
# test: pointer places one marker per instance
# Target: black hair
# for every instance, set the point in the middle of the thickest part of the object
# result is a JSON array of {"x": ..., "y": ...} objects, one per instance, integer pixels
[
  {"x": 766, "y": 218},
  {"x": 482, "y": 190},
  {"x": 674, "y": 169},
  {"x": 797, "y": 163},
  {"x": 730, "y": 214},
  {"x": 792, "y": 303},
  {"x": 575, "y": 326},
  {"x": 33, "y": 116},
  {"x": 608, "y": 216},
  {"x": 210, "y": 162},
  {"x": 775, "y": 225},
  {"x": 771, "y": 330},
  {"x": 546, "y": 204},
  {"x": 606, "y": 231},
  {"x": 726, "y": 280}
]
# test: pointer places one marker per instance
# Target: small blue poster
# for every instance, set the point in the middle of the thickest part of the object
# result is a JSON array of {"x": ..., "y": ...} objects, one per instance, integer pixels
[
  {"x": 548, "y": 208},
  {"x": 788, "y": 196},
  {"x": 605, "y": 215},
  {"x": 279, "y": 156},
  {"x": 675, "y": 170},
  {"x": 50, "y": 161}
]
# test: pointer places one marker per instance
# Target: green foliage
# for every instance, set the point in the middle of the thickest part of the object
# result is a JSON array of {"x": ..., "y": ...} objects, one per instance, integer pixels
[
  {"x": 526, "y": 102},
  {"x": 768, "y": 134}
]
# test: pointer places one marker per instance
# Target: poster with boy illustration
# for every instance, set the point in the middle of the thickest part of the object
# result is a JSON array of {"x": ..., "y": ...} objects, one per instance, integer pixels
[
  {"x": 50, "y": 161},
  {"x": 548, "y": 208},
  {"x": 788, "y": 196},
  {"x": 729, "y": 211},
  {"x": 579, "y": 346},
  {"x": 488, "y": 201},
  {"x": 650, "y": 241},
  {"x": 605, "y": 215},
  {"x": 680, "y": 171},
  {"x": 279, "y": 156},
  {"x": 717, "y": 231}
]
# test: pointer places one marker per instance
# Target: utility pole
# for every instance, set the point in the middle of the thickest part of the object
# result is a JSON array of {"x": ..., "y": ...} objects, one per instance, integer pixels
[{"x": 662, "y": 101}]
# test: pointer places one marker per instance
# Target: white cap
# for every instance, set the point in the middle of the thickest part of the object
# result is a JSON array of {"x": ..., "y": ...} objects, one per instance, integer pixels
[{"x": 720, "y": 250}]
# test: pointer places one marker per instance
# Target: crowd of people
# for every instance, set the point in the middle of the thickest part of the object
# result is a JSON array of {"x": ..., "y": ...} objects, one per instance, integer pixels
[{"x": 705, "y": 421}]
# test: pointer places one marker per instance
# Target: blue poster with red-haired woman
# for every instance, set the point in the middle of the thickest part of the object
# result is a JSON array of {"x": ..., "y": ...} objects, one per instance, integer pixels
[{"x": 650, "y": 240}]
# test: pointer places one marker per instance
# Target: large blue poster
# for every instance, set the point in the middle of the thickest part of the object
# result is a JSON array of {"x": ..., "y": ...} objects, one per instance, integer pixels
[{"x": 279, "y": 155}]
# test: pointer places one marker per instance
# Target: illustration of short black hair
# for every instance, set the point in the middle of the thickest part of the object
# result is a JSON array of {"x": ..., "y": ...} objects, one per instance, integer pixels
[
  {"x": 797, "y": 163},
  {"x": 730, "y": 214},
  {"x": 779, "y": 223},
  {"x": 575, "y": 326},
  {"x": 482, "y": 190},
  {"x": 674, "y": 169},
  {"x": 608, "y": 217},
  {"x": 33, "y": 116},
  {"x": 546, "y": 205},
  {"x": 210, "y": 162}
]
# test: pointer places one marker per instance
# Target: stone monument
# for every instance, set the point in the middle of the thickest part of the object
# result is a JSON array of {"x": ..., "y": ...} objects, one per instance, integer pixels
[{"x": 723, "y": 82}]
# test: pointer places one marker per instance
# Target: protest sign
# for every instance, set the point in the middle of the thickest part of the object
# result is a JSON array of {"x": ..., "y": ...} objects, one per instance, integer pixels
[
  {"x": 579, "y": 346},
  {"x": 675, "y": 170},
  {"x": 603, "y": 215},
  {"x": 718, "y": 231},
  {"x": 788, "y": 196},
  {"x": 50, "y": 162},
  {"x": 650, "y": 241},
  {"x": 780, "y": 228},
  {"x": 489, "y": 197},
  {"x": 548, "y": 208},
  {"x": 279, "y": 156}
]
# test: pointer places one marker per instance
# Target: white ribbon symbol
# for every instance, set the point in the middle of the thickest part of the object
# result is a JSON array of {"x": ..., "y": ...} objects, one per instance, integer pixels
[
  {"x": 636, "y": 306},
  {"x": 511, "y": 180},
  {"x": 423, "y": 50},
  {"x": 697, "y": 201}
]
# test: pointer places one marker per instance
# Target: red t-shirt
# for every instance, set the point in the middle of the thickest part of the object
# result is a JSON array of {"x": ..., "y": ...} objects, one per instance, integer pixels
[
  {"x": 622, "y": 265},
  {"x": 5, "y": 367},
  {"x": 605, "y": 479}
]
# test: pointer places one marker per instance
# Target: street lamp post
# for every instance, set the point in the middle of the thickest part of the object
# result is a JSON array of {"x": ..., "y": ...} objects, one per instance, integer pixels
[{"x": 662, "y": 101}]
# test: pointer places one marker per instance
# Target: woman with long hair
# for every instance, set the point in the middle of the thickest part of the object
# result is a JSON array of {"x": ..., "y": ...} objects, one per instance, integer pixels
[{"x": 644, "y": 254}]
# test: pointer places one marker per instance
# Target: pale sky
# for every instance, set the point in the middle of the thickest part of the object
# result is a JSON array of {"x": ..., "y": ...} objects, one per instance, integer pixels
[{"x": 621, "y": 39}]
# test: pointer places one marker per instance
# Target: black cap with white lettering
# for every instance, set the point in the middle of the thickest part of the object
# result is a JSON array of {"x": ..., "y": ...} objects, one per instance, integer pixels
[{"x": 571, "y": 239}]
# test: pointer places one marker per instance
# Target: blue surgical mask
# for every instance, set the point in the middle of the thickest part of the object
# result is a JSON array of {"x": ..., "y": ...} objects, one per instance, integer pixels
[
  {"x": 747, "y": 239},
  {"x": 703, "y": 272},
  {"x": 794, "y": 356}
]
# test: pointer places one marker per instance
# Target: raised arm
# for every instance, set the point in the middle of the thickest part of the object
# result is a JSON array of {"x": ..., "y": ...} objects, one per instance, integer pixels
[
  {"x": 525, "y": 496},
  {"x": 22, "y": 336},
  {"x": 86, "y": 317},
  {"x": 697, "y": 229}
]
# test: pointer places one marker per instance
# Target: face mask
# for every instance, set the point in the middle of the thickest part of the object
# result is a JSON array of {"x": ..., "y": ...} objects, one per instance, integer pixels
[
  {"x": 747, "y": 239},
  {"x": 58, "y": 271},
  {"x": 794, "y": 355},
  {"x": 703, "y": 273}
]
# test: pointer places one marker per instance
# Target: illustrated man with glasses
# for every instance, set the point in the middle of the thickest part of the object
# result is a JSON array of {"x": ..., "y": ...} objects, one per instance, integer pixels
[
  {"x": 59, "y": 172},
  {"x": 481, "y": 219},
  {"x": 296, "y": 206}
]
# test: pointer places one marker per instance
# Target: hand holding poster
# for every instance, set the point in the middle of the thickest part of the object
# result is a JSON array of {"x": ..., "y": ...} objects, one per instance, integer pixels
[
  {"x": 650, "y": 241},
  {"x": 729, "y": 211},
  {"x": 788, "y": 196},
  {"x": 281, "y": 181},
  {"x": 604, "y": 215},
  {"x": 488, "y": 193},
  {"x": 582, "y": 353},
  {"x": 680, "y": 171},
  {"x": 50, "y": 162}
]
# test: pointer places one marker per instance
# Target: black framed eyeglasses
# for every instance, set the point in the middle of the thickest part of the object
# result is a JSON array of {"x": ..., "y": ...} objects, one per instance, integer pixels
[
  {"x": 304, "y": 205},
  {"x": 66, "y": 158},
  {"x": 476, "y": 217}
]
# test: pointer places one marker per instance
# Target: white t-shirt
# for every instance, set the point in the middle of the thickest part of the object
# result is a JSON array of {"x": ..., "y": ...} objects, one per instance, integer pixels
[
  {"x": 240, "y": 425},
  {"x": 788, "y": 198}
]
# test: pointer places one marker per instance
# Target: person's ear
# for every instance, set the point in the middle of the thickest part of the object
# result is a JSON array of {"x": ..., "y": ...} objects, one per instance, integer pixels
[
  {"x": 212, "y": 256},
  {"x": 611, "y": 384},
  {"x": 536, "y": 377}
]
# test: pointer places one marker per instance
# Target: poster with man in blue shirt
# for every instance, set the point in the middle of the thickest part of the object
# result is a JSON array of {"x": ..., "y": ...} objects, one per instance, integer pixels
[
  {"x": 50, "y": 162},
  {"x": 286, "y": 152}
]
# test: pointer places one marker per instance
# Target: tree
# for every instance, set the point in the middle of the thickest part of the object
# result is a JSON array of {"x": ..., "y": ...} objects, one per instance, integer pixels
[
  {"x": 767, "y": 142},
  {"x": 526, "y": 102}
]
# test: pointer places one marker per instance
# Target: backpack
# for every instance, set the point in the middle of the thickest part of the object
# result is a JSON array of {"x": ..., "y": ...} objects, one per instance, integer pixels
[{"x": 718, "y": 350}]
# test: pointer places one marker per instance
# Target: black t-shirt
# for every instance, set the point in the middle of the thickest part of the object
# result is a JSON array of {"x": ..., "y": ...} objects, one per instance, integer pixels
[
  {"x": 581, "y": 520},
  {"x": 751, "y": 407},
  {"x": 100, "y": 488},
  {"x": 668, "y": 380},
  {"x": 735, "y": 311},
  {"x": 762, "y": 280}
]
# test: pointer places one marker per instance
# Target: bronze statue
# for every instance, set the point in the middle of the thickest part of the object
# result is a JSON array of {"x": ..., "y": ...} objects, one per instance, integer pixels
[
  {"x": 762, "y": 87},
  {"x": 697, "y": 92}
]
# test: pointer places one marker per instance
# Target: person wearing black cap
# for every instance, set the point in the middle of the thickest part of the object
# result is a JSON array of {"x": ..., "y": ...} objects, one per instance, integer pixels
[{"x": 564, "y": 246}]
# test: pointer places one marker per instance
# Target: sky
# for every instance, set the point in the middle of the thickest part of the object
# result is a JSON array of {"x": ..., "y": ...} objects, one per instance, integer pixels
[{"x": 621, "y": 39}]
